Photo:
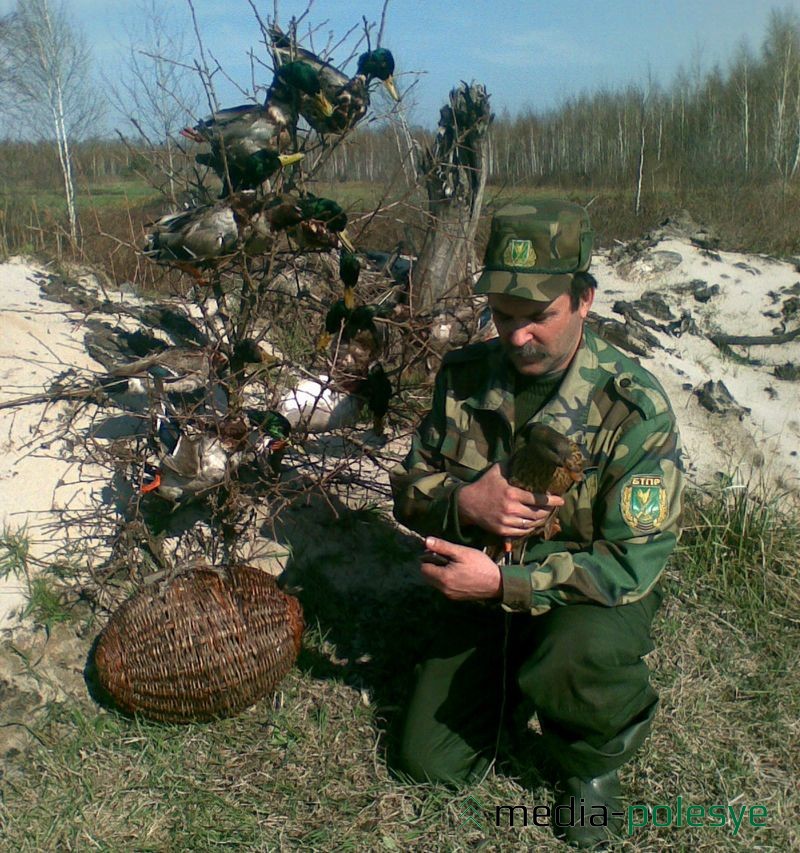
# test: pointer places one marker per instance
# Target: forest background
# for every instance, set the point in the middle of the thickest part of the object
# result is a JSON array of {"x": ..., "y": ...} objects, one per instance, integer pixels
[{"x": 723, "y": 143}]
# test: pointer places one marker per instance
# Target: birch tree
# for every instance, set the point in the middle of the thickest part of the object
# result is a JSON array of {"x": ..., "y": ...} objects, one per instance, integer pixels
[
  {"x": 45, "y": 68},
  {"x": 158, "y": 91}
]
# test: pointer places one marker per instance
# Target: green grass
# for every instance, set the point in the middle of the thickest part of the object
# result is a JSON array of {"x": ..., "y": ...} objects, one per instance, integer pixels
[
  {"x": 740, "y": 545},
  {"x": 351, "y": 195},
  {"x": 46, "y": 594},
  {"x": 95, "y": 196},
  {"x": 46, "y": 603},
  {"x": 307, "y": 769},
  {"x": 14, "y": 550}
]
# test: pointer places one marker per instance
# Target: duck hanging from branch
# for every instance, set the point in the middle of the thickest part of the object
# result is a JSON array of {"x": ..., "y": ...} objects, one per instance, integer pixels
[
  {"x": 313, "y": 222},
  {"x": 206, "y": 236},
  {"x": 349, "y": 96},
  {"x": 247, "y": 140}
]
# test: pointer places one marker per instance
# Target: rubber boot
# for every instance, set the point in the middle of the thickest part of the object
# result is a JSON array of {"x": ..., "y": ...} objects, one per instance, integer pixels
[
  {"x": 589, "y": 808},
  {"x": 588, "y": 812}
]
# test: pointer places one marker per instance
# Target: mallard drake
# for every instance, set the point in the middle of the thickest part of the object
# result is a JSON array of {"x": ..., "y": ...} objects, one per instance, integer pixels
[
  {"x": 247, "y": 128},
  {"x": 349, "y": 95},
  {"x": 376, "y": 391},
  {"x": 356, "y": 341},
  {"x": 238, "y": 135},
  {"x": 196, "y": 455},
  {"x": 349, "y": 272},
  {"x": 354, "y": 330},
  {"x": 272, "y": 439},
  {"x": 295, "y": 84},
  {"x": 203, "y": 236},
  {"x": 314, "y": 223},
  {"x": 351, "y": 99},
  {"x": 323, "y": 225},
  {"x": 246, "y": 173}
]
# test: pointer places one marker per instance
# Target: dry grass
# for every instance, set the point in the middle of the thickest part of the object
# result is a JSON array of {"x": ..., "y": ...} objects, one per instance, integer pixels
[
  {"x": 754, "y": 218},
  {"x": 747, "y": 218},
  {"x": 308, "y": 769}
]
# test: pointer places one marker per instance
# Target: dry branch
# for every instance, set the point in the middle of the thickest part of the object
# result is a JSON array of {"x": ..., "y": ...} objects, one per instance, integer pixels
[{"x": 754, "y": 340}]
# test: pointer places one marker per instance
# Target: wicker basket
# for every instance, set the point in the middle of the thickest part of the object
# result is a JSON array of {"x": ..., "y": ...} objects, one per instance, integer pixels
[{"x": 209, "y": 644}]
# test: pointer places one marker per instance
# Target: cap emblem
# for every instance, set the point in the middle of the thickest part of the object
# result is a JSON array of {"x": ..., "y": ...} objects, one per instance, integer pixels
[{"x": 519, "y": 253}]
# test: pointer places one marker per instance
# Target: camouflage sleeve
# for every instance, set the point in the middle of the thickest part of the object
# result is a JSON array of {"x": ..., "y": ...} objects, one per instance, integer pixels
[
  {"x": 425, "y": 495},
  {"x": 636, "y": 520}
]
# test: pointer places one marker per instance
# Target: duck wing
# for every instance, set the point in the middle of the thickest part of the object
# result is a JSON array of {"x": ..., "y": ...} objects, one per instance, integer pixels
[
  {"x": 194, "y": 235},
  {"x": 285, "y": 50}
]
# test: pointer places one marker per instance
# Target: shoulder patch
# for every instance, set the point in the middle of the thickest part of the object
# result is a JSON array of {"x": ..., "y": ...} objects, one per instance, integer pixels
[{"x": 643, "y": 502}]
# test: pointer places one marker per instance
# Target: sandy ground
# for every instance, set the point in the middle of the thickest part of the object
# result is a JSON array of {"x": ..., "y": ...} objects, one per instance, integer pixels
[
  {"x": 763, "y": 446},
  {"x": 41, "y": 486}
]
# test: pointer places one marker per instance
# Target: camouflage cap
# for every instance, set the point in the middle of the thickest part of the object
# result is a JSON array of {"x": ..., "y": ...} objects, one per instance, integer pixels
[{"x": 534, "y": 250}]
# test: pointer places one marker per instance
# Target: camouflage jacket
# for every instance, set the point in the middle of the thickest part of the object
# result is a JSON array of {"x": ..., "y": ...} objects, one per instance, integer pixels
[{"x": 618, "y": 525}]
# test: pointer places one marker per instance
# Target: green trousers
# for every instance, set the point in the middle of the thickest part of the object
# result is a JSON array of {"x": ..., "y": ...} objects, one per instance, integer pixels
[{"x": 580, "y": 666}]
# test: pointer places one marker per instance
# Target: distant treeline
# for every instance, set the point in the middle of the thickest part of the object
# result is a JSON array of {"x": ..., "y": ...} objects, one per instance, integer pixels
[
  {"x": 722, "y": 125},
  {"x": 706, "y": 128},
  {"x": 37, "y": 164},
  {"x": 724, "y": 143}
]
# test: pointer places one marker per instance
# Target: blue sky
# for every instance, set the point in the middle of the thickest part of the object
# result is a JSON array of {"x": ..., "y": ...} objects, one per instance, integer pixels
[{"x": 528, "y": 54}]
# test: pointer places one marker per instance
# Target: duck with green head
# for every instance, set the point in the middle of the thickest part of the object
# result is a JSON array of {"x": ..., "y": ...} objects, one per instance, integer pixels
[
  {"x": 348, "y": 95},
  {"x": 245, "y": 173},
  {"x": 246, "y": 140},
  {"x": 349, "y": 272},
  {"x": 315, "y": 223}
]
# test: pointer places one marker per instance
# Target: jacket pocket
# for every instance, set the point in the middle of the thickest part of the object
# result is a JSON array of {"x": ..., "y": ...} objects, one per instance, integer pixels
[
  {"x": 465, "y": 456},
  {"x": 577, "y": 514}
]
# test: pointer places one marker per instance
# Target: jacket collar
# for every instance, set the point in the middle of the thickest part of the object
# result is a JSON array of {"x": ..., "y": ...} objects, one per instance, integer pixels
[
  {"x": 498, "y": 393},
  {"x": 567, "y": 411}
]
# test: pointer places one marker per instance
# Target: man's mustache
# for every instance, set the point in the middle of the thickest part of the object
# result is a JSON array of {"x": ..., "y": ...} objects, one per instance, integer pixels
[{"x": 527, "y": 352}]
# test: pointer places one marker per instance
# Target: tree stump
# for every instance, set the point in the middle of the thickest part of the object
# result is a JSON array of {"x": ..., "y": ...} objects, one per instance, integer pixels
[{"x": 455, "y": 177}]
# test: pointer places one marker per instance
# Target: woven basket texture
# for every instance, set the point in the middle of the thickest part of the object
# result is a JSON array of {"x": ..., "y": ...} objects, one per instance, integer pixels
[{"x": 209, "y": 644}]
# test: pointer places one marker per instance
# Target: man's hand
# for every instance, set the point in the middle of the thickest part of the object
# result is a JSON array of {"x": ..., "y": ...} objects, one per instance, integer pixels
[
  {"x": 469, "y": 576},
  {"x": 492, "y": 503}
]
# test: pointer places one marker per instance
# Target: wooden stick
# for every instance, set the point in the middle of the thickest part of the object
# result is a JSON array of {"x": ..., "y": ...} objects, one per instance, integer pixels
[{"x": 757, "y": 340}]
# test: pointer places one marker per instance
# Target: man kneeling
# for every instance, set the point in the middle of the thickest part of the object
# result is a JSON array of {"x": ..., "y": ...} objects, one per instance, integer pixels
[{"x": 575, "y": 598}]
